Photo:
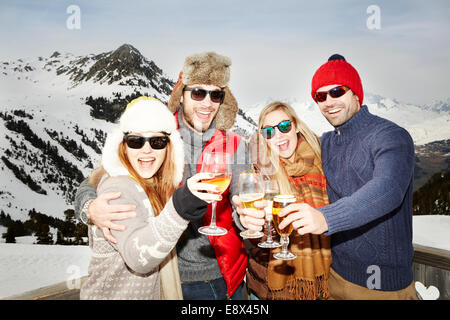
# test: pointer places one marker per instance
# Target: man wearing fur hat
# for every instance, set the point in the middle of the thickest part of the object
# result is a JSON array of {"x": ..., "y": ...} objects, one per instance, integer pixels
[
  {"x": 368, "y": 163},
  {"x": 205, "y": 108}
]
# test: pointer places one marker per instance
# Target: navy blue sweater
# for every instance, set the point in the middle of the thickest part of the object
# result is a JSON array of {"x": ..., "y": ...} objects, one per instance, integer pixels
[{"x": 368, "y": 163}]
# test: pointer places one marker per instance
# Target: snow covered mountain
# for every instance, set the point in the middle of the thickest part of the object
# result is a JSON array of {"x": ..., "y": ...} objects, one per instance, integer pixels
[
  {"x": 54, "y": 115},
  {"x": 55, "y": 112}
]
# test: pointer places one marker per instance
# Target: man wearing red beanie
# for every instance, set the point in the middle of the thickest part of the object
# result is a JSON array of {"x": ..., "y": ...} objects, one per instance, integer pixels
[{"x": 368, "y": 162}]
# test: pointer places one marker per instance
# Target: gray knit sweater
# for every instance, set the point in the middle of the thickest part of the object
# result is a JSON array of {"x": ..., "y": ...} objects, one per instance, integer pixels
[
  {"x": 130, "y": 269},
  {"x": 196, "y": 258}
]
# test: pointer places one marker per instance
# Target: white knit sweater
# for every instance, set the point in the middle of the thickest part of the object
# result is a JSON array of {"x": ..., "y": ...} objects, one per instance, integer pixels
[{"x": 130, "y": 269}]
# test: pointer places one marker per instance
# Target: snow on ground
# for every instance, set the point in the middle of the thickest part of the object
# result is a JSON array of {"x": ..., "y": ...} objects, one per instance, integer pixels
[
  {"x": 432, "y": 231},
  {"x": 25, "y": 266}
]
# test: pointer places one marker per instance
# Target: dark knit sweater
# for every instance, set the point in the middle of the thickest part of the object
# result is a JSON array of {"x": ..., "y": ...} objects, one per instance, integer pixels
[{"x": 368, "y": 163}]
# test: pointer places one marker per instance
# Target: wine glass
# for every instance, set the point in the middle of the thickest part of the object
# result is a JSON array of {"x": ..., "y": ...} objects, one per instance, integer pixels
[
  {"x": 280, "y": 202},
  {"x": 271, "y": 189},
  {"x": 218, "y": 164},
  {"x": 251, "y": 189}
]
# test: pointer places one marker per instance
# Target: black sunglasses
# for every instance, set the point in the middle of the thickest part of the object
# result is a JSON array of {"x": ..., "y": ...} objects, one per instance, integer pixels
[
  {"x": 336, "y": 92},
  {"x": 284, "y": 127},
  {"x": 137, "y": 142},
  {"x": 198, "y": 94}
]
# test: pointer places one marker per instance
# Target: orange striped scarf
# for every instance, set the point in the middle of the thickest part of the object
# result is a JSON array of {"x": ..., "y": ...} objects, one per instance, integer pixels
[{"x": 305, "y": 277}]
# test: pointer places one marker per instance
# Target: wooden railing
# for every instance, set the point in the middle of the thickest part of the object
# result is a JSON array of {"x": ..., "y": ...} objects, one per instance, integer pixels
[{"x": 432, "y": 267}]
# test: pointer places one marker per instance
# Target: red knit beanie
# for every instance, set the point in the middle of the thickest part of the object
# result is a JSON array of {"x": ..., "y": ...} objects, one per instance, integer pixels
[{"x": 337, "y": 71}]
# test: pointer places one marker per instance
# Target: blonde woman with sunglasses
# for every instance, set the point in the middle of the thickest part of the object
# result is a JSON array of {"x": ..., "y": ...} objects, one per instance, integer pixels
[{"x": 286, "y": 150}]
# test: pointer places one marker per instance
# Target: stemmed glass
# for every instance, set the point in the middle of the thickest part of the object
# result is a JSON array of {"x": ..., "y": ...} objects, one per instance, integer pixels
[
  {"x": 271, "y": 189},
  {"x": 219, "y": 164},
  {"x": 251, "y": 189},
  {"x": 280, "y": 202}
]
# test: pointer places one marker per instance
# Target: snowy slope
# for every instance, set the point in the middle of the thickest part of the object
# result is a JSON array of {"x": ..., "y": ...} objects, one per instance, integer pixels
[
  {"x": 61, "y": 114},
  {"x": 50, "y": 92}
]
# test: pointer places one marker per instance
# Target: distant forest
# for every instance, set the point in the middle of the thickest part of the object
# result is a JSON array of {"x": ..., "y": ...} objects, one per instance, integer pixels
[
  {"x": 434, "y": 196},
  {"x": 69, "y": 231},
  {"x": 110, "y": 110}
]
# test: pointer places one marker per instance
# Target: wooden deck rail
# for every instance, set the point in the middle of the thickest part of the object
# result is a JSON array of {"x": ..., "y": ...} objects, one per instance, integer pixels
[{"x": 432, "y": 267}]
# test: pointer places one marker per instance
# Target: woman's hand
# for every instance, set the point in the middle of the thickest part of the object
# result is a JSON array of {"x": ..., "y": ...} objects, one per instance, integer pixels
[
  {"x": 102, "y": 214},
  {"x": 251, "y": 219},
  {"x": 205, "y": 191}
]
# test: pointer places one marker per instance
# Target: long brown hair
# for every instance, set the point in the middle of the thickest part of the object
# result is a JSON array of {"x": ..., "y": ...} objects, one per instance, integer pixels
[
  {"x": 272, "y": 158},
  {"x": 158, "y": 188}
]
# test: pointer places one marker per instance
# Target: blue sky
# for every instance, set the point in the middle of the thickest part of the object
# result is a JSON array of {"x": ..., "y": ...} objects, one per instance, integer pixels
[{"x": 275, "y": 46}]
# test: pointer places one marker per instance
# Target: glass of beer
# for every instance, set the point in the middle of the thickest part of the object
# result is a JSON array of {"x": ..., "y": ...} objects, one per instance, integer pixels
[
  {"x": 280, "y": 202},
  {"x": 251, "y": 189},
  {"x": 219, "y": 164},
  {"x": 271, "y": 189}
]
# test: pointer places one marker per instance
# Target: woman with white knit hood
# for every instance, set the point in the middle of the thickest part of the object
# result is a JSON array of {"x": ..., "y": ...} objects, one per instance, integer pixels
[{"x": 143, "y": 159}]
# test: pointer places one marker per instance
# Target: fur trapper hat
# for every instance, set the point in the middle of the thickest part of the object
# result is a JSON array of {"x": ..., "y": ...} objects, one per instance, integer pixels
[
  {"x": 141, "y": 115},
  {"x": 212, "y": 69}
]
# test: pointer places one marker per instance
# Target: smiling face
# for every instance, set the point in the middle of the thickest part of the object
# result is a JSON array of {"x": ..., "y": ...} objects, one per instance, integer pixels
[
  {"x": 146, "y": 161},
  {"x": 198, "y": 115},
  {"x": 339, "y": 110},
  {"x": 282, "y": 143}
]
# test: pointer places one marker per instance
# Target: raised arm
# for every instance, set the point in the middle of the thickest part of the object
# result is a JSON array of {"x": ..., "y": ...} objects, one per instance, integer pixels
[
  {"x": 147, "y": 239},
  {"x": 383, "y": 193},
  {"x": 393, "y": 171}
]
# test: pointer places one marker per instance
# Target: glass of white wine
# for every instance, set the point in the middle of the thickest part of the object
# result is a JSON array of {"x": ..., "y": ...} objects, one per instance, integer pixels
[
  {"x": 219, "y": 164},
  {"x": 280, "y": 202},
  {"x": 271, "y": 189},
  {"x": 251, "y": 189}
]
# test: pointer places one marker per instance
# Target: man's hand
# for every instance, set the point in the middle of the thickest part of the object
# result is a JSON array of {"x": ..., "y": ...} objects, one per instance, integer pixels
[
  {"x": 304, "y": 218},
  {"x": 251, "y": 219},
  {"x": 102, "y": 214}
]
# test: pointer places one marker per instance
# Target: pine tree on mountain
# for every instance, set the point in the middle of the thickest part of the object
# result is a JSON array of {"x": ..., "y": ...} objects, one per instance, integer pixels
[
  {"x": 5, "y": 219},
  {"x": 44, "y": 236},
  {"x": 10, "y": 235},
  {"x": 433, "y": 197},
  {"x": 19, "y": 229},
  {"x": 69, "y": 226},
  {"x": 81, "y": 231},
  {"x": 60, "y": 239}
]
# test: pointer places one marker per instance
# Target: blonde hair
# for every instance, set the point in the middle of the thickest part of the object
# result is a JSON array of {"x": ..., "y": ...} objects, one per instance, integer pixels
[{"x": 268, "y": 162}]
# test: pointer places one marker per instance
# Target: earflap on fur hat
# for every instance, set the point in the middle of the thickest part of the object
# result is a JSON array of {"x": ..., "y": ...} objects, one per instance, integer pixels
[
  {"x": 177, "y": 92},
  {"x": 144, "y": 114},
  {"x": 212, "y": 69},
  {"x": 227, "y": 111}
]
